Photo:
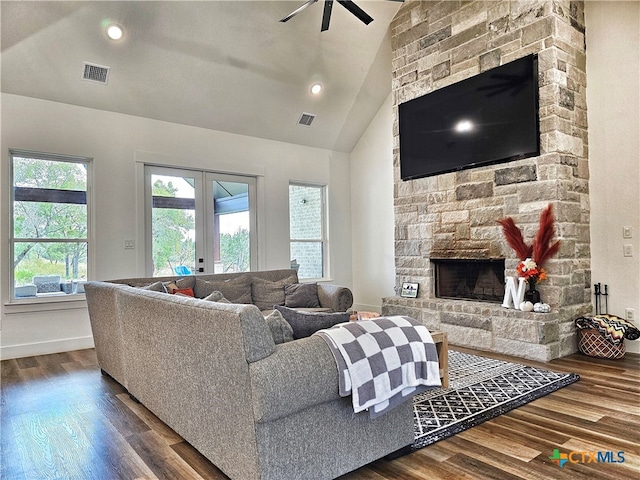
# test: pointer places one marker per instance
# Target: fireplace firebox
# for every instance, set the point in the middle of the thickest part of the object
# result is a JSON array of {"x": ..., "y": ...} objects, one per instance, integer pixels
[{"x": 469, "y": 279}]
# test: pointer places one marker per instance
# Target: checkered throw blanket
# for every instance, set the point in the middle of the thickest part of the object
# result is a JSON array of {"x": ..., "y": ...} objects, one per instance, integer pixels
[{"x": 383, "y": 361}]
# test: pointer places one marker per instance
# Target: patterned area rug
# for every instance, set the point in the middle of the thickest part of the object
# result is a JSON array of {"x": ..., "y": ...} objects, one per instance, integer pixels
[{"x": 479, "y": 389}]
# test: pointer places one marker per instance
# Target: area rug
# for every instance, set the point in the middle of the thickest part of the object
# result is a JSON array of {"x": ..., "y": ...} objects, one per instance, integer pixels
[{"x": 480, "y": 389}]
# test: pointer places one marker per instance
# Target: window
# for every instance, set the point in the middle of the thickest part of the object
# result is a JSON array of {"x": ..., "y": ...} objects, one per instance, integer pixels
[
  {"x": 50, "y": 224},
  {"x": 307, "y": 229},
  {"x": 199, "y": 222}
]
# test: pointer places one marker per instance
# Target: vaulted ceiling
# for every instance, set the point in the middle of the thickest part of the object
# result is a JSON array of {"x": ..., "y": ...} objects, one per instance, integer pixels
[{"x": 222, "y": 65}]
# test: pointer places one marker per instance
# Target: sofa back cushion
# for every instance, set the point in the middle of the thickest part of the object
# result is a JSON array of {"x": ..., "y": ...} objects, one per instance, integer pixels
[
  {"x": 267, "y": 293},
  {"x": 301, "y": 295},
  {"x": 236, "y": 290}
]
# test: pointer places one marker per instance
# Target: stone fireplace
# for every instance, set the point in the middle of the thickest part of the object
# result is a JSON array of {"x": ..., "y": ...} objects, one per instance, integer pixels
[{"x": 453, "y": 216}]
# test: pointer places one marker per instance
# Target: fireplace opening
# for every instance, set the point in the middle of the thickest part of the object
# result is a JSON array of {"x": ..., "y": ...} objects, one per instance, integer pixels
[{"x": 480, "y": 280}]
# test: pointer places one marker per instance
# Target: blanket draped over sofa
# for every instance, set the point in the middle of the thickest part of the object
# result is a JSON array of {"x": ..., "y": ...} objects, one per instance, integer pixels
[
  {"x": 383, "y": 362},
  {"x": 213, "y": 373}
]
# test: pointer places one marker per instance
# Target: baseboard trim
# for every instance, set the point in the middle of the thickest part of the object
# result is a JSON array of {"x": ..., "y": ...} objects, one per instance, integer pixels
[
  {"x": 45, "y": 348},
  {"x": 365, "y": 308}
]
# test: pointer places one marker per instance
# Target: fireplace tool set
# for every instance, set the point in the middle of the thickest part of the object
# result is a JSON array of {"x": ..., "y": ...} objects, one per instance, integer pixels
[{"x": 598, "y": 292}]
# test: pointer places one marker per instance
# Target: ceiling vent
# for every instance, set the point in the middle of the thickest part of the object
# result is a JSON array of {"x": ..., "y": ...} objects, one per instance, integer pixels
[
  {"x": 95, "y": 73},
  {"x": 306, "y": 119}
]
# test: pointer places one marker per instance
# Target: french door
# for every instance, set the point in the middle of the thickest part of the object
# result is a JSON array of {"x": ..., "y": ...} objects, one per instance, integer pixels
[{"x": 199, "y": 222}]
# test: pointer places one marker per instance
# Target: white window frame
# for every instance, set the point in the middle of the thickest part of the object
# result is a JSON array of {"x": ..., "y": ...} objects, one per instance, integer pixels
[
  {"x": 88, "y": 162},
  {"x": 324, "y": 240}
]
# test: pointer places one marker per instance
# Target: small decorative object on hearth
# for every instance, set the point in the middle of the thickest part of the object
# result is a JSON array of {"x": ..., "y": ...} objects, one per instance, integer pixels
[
  {"x": 542, "y": 308},
  {"x": 533, "y": 256},
  {"x": 526, "y": 306},
  {"x": 409, "y": 290}
]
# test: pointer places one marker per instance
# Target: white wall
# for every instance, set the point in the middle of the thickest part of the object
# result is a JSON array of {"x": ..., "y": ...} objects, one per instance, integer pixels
[
  {"x": 118, "y": 143},
  {"x": 613, "y": 100},
  {"x": 372, "y": 222}
]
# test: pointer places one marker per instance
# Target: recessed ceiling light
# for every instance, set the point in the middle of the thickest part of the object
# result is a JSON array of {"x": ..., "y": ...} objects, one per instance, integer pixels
[
  {"x": 114, "y": 32},
  {"x": 316, "y": 88}
]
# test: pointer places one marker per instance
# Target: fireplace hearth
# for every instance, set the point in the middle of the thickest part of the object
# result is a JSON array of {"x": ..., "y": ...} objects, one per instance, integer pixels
[{"x": 469, "y": 279}]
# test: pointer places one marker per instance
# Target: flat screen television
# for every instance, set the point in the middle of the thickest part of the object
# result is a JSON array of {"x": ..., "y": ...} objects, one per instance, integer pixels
[{"x": 486, "y": 119}]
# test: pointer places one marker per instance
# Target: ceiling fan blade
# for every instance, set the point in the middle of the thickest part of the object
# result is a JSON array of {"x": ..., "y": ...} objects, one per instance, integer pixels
[
  {"x": 298, "y": 10},
  {"x": 357, "y": 11},
  {"x": 326, "y": 16}
]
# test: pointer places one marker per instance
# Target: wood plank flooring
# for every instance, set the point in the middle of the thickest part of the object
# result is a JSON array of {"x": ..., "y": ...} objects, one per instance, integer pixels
[{"x": 62, "y": 419}]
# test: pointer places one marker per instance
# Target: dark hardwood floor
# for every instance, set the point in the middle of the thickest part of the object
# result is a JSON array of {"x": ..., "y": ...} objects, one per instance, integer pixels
[{"x": 62, "y": 419}]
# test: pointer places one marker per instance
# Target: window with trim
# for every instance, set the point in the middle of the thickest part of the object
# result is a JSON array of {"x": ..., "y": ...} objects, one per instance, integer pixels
[
  {"x": 50, "y": 225},
  {"x": 307, "y": 229}
]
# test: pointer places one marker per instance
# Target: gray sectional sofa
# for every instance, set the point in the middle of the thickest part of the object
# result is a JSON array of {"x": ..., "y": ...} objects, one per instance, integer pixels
[{"x": 213, "y": 373}]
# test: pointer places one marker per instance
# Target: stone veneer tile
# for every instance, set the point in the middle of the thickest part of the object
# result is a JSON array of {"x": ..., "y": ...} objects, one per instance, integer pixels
[
  {"x": 519, "y": 174},
  {"x": 465, "y": 320},
  {"x": 468, "y": 337},
  {"x": 540, "y": 353},
  {"x": 521, "y": 330}
]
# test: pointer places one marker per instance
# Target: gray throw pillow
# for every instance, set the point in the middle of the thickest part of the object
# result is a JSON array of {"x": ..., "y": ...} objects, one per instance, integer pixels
[
  {"x": 281, "y": 331},
  {"x": 306, "y": 323},
  {"x": 216, "y": 297},
  {"x": 155, "y": 287},
  {"x": 265, "y": 293},
  {"x": 301, "y": 295},
  {"x": 236, "y": 290}
]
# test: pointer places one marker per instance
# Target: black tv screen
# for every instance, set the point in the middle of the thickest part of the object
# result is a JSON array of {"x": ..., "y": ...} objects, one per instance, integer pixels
[{"x": 486, "y": 119}]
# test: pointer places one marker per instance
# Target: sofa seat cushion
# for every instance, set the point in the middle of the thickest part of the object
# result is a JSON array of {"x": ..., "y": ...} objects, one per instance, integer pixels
[
  {"x": 306, "y": 323},
  {"x": 266, "y": 313},
  {"x": 236, "y": 290}
]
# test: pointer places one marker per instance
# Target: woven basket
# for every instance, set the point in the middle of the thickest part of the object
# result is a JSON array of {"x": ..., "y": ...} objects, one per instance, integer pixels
[{"x": 592, "y": 343}]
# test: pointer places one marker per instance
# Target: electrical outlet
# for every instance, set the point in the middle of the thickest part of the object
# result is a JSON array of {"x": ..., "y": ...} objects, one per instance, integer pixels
[
  {"x": 129, "y": 244},
  {"x": 628, "y": 250},
  {"x": 630, "y": 314}
]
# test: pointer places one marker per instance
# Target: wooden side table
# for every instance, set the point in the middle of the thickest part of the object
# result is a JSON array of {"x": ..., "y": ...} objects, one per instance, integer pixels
[{"x": 442, "y": 347}]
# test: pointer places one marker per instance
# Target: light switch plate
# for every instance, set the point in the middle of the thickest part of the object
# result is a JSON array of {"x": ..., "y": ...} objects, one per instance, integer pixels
[{"x": 628, "y": 250}]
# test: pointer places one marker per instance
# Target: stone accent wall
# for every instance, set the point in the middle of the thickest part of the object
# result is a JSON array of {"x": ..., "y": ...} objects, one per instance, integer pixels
[{"x": 454, "y": 215}]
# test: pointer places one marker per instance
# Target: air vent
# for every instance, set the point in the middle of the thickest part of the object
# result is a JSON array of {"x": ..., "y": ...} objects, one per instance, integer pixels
[
  {"x": 306, "y": 119},
  {"x": 95, "y": 73}
]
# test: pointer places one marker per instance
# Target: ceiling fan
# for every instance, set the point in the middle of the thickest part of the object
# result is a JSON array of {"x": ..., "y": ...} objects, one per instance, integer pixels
[{"x": 326, "y": 15}]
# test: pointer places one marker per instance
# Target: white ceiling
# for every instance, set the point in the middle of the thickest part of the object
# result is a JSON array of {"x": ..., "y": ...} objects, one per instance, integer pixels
[{"x": 222, "y": 65}]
